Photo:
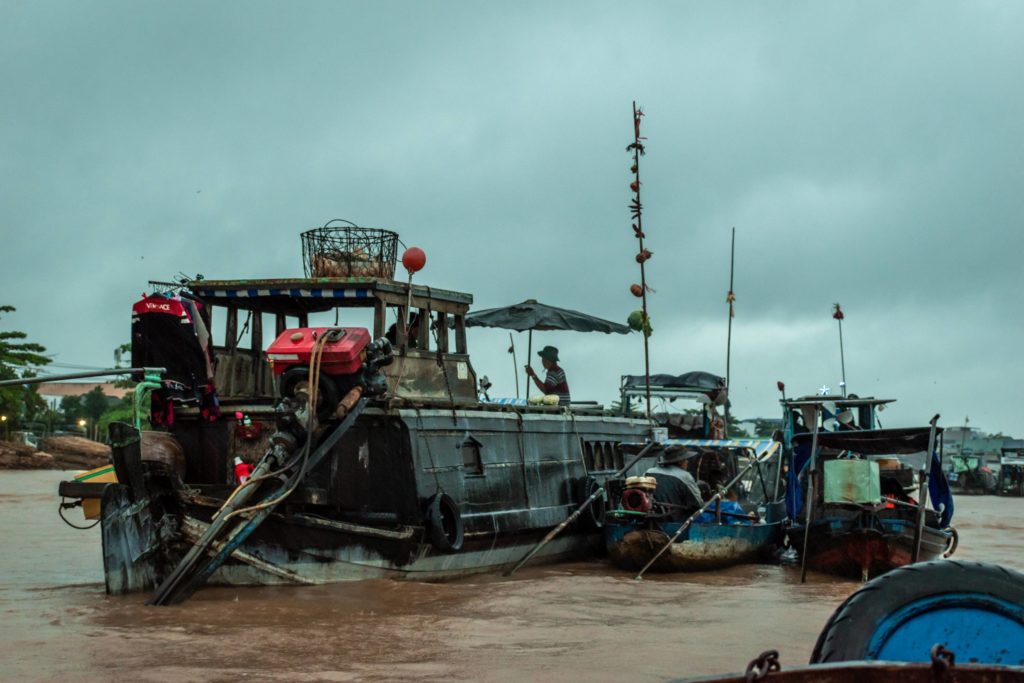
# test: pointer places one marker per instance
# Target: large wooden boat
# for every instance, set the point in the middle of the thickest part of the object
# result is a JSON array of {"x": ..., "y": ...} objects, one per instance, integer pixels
[{"x": 405, "y": 472}]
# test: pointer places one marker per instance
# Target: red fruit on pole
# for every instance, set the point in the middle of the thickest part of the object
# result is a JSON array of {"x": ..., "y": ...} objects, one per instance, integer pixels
[
  {"x": 635, "y": 186},
  {"x": 637, "y": 290},
  {"x": 414, "y": 259},
  {"x": 838, "y": 314}
]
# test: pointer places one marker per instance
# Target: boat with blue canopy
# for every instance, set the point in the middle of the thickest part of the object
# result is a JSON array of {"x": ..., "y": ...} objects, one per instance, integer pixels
[{"x": 737, "y": 518}]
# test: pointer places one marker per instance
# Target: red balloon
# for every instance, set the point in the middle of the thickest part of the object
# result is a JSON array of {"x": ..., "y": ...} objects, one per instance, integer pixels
[{"x": 414, "y": 259}]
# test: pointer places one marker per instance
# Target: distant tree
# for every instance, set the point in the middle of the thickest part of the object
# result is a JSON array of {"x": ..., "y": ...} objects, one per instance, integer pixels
[
  {"x": 122, "y": 412},
  {"x": 766, "y": 427},
  {"x": 71, "y": 409},
  {"x": 94, "y": 404},
  {"x": 19, "y": 359}
]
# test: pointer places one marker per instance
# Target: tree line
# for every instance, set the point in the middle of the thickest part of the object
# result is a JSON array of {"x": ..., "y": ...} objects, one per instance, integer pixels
[{"x": 25, "y": 409}]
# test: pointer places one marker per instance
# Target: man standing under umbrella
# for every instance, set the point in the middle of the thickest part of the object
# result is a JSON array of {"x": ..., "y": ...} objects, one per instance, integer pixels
[{"x": 554, "y": 382}]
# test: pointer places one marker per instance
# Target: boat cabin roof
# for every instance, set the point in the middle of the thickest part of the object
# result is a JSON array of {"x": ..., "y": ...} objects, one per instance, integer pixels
[
  {"x": 839, "y": 401},
  {"x": 874, "y": 441},
  {"x": 296, "y": 296}
]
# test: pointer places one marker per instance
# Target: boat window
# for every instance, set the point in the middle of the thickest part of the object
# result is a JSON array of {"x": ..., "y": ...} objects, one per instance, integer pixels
[{"x": 471, "y": 461}]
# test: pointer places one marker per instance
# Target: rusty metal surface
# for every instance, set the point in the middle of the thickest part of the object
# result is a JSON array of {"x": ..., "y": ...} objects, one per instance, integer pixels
[{"x": 877, "y": 672}]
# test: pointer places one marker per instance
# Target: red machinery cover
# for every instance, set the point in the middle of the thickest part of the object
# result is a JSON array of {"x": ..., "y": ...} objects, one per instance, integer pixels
[{"x": 295, "y": 347}]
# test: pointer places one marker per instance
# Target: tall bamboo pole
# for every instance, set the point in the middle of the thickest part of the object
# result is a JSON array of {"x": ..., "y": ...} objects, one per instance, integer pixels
[{"x": 637, "y": 148}]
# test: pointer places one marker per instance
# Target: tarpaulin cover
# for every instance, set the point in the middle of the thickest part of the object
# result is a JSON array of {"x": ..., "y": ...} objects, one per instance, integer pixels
[
  {"x": 699, "y": 380},
  {"x": 531, "y": 315},
  {"x": 872, "y": 442}
]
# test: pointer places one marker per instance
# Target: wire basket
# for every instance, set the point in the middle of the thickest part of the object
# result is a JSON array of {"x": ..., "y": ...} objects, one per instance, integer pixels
[{"x": 349, "y": 251}]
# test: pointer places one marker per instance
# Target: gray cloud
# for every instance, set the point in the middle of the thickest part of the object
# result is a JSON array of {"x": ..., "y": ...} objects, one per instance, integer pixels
[{"x": 867, "y": 153}]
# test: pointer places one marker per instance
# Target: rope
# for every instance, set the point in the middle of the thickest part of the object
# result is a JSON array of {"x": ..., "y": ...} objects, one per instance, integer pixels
[
  {"x": 315, "y": 362},
  {"x": 60, "y": 511}
]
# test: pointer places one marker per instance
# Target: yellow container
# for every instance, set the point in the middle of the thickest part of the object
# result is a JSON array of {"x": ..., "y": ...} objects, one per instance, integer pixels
[{"x": 100, "y": 475}]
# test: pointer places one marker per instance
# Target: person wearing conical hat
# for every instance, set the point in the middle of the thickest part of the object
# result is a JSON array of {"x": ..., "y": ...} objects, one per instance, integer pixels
[{"x": 554, "y": 382}]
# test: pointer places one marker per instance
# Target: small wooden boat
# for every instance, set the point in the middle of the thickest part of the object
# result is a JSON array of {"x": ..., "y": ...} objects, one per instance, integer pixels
[
  {"x": 715, "y": 535},
  {"x": 860, "y": 521}
]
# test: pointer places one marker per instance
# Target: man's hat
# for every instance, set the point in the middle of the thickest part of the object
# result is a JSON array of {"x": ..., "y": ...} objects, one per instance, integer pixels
[
  {"x": 678, "y": 455},
  {"x": 549, "y": 353}
]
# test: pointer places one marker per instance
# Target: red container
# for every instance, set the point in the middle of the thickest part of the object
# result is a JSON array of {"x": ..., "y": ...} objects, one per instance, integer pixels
[
  {"x": 243, "y": 471},
  {"x": 342, "y": 357}
]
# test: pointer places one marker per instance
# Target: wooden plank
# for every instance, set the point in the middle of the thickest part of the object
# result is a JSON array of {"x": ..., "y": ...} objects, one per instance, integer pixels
[{"x": 460, "y": 334}]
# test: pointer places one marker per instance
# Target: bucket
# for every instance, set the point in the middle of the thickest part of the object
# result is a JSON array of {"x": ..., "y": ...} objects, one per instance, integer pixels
[{"x": 100, "y": 475}]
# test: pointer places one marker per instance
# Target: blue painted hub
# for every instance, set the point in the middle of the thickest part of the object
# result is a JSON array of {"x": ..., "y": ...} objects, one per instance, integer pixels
[{"x": 974, "y": 626}]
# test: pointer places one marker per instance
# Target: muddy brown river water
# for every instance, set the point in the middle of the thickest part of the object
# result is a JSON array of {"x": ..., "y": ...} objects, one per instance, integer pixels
[{"x": 565, "y": 622}]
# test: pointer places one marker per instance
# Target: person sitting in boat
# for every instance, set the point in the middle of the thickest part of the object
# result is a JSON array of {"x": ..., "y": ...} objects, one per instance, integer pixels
[
  {"x": 677, "y": 489},
  {"x": 554, "y": 382},
  {"x": 412, "y": 333}
]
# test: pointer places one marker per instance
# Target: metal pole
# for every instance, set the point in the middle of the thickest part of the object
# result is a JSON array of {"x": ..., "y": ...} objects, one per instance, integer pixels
[
  {"x": 515, "y": 363},
  {"x": 842, "y": 356},
  {"x": 922, "y": 491},
  {"x": 810, "y": 495},
  {"x": 79, "y": 375},
  {"x": 529, "y": 361}
]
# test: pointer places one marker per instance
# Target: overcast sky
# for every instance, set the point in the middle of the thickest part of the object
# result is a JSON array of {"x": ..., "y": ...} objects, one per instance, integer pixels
[{"x": 868, "y": 153}]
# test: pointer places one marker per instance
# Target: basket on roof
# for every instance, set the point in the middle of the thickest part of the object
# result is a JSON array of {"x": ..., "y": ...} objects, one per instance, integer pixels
[{"x": 349, "y": 251}]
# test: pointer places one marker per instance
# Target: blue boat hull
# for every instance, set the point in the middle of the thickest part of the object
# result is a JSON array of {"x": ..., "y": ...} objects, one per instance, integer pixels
[{"x": 632, "y": 544}]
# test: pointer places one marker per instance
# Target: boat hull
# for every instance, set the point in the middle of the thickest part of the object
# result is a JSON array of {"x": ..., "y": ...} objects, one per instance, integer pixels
[
  {"x": 847, "y": 548},
  {"x": 365, "y": 511},
  {"x": 701, "y": 547}
]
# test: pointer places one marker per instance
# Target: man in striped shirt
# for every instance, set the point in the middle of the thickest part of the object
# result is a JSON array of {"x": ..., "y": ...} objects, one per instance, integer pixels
[{"x": 554, "y": 382}]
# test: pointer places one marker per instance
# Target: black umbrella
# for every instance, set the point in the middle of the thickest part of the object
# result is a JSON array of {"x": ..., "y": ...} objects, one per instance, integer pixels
[{"x": 531, "y": 315}]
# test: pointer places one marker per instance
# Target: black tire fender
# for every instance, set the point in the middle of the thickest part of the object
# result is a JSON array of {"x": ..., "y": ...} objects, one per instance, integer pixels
[
  {"x": 592, "y": 519},
  {"x": 849, "y": 633},
  {"x": 444, "y": 523}
]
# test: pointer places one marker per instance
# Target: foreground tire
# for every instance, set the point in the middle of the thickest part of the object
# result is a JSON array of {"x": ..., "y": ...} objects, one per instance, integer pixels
[
  {"x": 444, "y": 523},
  {"x": 974, "y": 610}
]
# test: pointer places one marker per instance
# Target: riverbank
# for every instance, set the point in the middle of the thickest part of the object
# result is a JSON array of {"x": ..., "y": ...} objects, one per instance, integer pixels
[{"x": 54, "y": 453}]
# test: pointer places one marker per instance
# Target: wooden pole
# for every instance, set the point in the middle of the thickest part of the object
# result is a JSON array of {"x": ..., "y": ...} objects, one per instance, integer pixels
[
  {"x": 922, "y": 490},
  {"x": 809, "y": 501},
  {"x": 730, "y": 298}
]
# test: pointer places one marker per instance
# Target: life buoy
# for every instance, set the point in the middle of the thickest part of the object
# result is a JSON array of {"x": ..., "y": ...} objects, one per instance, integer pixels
[{"x": 444, "y": 523}]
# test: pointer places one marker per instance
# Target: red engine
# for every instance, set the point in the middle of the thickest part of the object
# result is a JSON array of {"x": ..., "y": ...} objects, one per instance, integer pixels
[
  {"x": 348, "y": 360},
  {"x": 342, "y": 355}
]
